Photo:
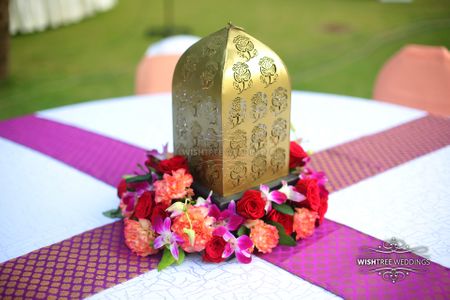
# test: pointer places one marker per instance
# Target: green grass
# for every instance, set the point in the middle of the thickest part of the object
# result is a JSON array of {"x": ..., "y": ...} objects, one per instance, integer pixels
[{"x": 334, "y": 46}]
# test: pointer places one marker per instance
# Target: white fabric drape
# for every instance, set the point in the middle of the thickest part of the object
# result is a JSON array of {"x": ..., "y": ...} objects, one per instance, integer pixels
[{"x": 26, "y": 16}]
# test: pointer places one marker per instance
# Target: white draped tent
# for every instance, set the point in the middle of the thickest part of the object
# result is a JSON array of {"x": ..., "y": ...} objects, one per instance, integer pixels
[{"x": 26, "y": 16}]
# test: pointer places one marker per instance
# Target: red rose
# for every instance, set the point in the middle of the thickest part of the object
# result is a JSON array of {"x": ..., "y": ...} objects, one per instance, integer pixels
[
  {"x": 144, "y": 206},
  {"x": 286, "y": 220},
  {"x": 172, "y": 164},
  {"x": 310, "y": 189},
  {"x": 297, "y": 156},
  {"x": 158, "y": 211},
  {"x": 121, "y": 188},
  {"x": 323, "y": 204},
  {"x": 214, "y": 249},
  {"x": 251, "y": 205}
]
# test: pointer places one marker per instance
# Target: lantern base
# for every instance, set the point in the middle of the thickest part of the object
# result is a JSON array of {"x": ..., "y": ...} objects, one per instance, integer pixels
[{"x": 222, "y": 201}]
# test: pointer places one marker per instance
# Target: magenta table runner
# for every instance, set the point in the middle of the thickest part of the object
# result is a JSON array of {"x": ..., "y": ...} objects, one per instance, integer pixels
[
  {"x": 101, "y": 157},
  {"x": 329, "y": 259},
  {"x": 74, "y": 268},
  {"x": 97, "y": 259},
  {"x": 354, "y": 161}
]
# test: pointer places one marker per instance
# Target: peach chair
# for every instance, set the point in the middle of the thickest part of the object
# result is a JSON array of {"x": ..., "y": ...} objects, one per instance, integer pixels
[
  {"x": 417, "y": 76},
  {"x": 155, "y": 71}
]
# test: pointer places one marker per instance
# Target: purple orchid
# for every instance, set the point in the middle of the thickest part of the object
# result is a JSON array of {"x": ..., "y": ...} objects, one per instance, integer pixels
[
  {"x": 240, "y": 246},
  {"x": 228, "y": 217},
  {"x": 166, "y": 236},
  {"x": 201, "y": 202},
  {"x": 274, "y": 196},
  {"x": 140, "y": 186},
  {"x": 319, "y": 176},
  {"x": 291, "y": 192},
  {"x": 159, "y": 155},
  {"x": 130, "y": 198}
]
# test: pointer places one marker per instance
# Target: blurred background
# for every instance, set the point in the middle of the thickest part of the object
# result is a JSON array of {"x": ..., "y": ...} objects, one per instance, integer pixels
[{"x": 332, "y": 46}]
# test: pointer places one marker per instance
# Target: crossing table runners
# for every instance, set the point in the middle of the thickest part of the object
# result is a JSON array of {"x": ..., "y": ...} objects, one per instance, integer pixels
[
  {"x": 404, "y": 143},
  {"x": 354, "y": 161}
]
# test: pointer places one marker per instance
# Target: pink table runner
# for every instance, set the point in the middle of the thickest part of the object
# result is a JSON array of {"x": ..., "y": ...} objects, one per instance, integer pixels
[
  {"x": 354, "y": 161},
  {"x": 99, "y": 156},
  {"x": 327, "y": 259},
  {"x": 74, "y": 268}
]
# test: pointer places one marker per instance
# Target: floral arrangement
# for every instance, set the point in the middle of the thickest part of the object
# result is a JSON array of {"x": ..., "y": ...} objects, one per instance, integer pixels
[{"x": 161, "y": 212}]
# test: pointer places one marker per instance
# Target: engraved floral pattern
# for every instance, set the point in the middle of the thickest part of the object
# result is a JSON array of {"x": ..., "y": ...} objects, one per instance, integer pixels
[
  {"x": 259, "y": 106},
  {"x": 207, "y": 76},
  {"x": 212, "y": 142},
  {"x": 215, "y": 43},
  {"x": 209, "y": 110},
  {"x": 212, "y": 172},
  {"x": 279, "y": 131},
  {"x": 238, "y": 144},
  {"x": 252, "y": 120},
  {"x": 195, "y": 102},
  {"x": 189, "y": 67},
  {"x": 259, "y": 166},
  {"x": 245, "y": 47},
  {"x": 268, "y": 70},
  {"x": 242, "y": 77},
  {"x": 277, "y": 159},
  {"x": 258, "y": 138},
  {"x": 279, "y": 100},
  {"x": 238, "y": 173},
  {"x": 236, "y": 114}
]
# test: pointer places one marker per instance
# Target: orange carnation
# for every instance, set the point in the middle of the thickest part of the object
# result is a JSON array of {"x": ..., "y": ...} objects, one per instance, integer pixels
[
  {"x": 139, "y": 236},
  {"x": 201, "y": 224},
  {"x": 304, "y": 222},
  {"x": 264, "y": 236},
  {"x": 175, "y": 186}
]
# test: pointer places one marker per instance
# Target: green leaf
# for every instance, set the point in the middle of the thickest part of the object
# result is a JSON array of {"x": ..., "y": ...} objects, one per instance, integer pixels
[
  {"x": 287, "y": 240},
  {"x": 113, "y": 213},
  {"x": 284, "y": 238},
  {"x": 283, "y": 208},
  {"x": 181, "y": 256},
  {"x": 166, "y": 260},
  {"x": 139, "y": 178},
  {"x": 242, "y": 230}
]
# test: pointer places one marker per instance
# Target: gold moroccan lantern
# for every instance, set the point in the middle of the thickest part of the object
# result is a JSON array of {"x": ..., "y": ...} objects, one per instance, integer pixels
[{"x": 231, "y": 113}]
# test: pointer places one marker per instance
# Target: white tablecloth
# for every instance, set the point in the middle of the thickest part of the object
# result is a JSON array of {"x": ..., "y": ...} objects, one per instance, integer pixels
[{"x": 44, "y": 201}]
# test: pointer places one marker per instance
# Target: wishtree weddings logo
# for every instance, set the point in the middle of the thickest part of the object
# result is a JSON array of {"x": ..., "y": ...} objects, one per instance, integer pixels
[{"x": 393, "y": 260}]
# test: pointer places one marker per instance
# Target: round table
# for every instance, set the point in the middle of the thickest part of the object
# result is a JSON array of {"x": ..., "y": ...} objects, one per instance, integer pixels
[{"x": 45, "y": 201}]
